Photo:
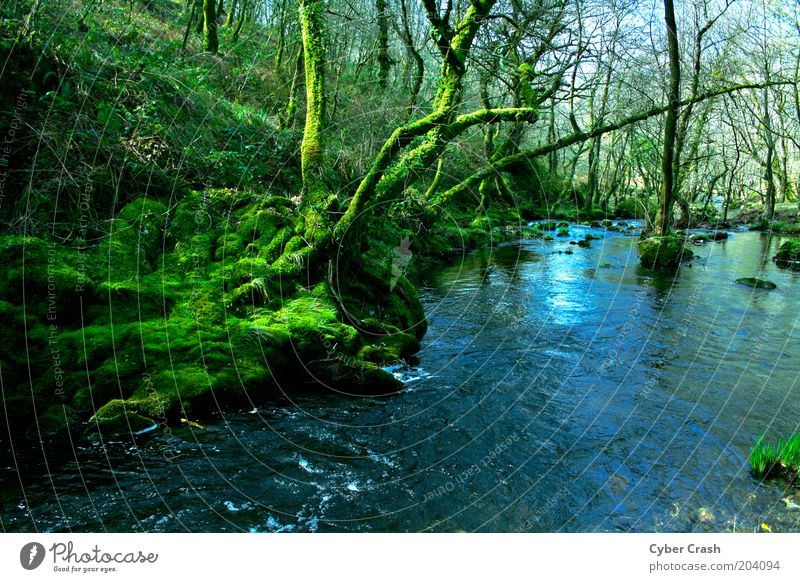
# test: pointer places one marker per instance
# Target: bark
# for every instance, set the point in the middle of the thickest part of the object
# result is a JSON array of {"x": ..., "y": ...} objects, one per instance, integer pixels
[
  {"x": 192, "y": 14},
  {"x": 769, "y": 173},
  {"x": 667, "y": 198},
  {"x": 242, "y": 16},
  {"x": 408, "y": 39},
  {"x": 231, "y": 17},
  {"x": 291, "y": 107},
  {"x": 384, "y": 60},
  {"x": 210, "y": 40}
]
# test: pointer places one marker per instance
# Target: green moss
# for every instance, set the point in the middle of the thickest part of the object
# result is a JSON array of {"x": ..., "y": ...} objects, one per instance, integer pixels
[
  {"x": 120, "y": 417},
  {"x": 230, "y": 245},
  {"x": 663, "y": 252},
  {"x": 789, "y": 251},
  {"x": 563, "y": 232}
]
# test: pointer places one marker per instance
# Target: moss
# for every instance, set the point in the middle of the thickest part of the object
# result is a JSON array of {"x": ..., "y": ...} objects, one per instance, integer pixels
[
  {"x": 230, "y": 245},
  {"x": 547, "y": 237},
  {"x": 562, "y": 232},
  {"x": 261, "y": 224},
  {"x": 589, "y": 236},
  {"x": 119, "y": 417},
  {"x": 606, "y": 222},
  {"x": 663, "y": 252},
  {"x": 789, "y": 252},
  {"x": 149, "y": 219},
  {"x": 52, "y": 279}
]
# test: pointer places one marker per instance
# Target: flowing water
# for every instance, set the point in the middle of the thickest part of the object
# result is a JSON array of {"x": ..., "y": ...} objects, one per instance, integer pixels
[{"x": 554, "y": 392}]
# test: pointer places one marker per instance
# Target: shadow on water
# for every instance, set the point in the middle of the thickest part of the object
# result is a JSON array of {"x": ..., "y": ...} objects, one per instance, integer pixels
[{"x": 554, "y": 392}]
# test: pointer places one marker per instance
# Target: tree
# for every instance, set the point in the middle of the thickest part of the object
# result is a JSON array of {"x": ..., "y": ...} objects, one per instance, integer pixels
[
  {"x": 210, "y": 40},
  {"x": 667, "y": 198}
]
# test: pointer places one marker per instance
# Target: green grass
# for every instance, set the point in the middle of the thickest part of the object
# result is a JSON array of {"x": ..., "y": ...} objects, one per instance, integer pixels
[{"x": 768, "y": 459}]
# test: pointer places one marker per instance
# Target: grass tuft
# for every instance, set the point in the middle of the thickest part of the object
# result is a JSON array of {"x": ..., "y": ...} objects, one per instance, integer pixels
[{"x": 768, "y": 459}]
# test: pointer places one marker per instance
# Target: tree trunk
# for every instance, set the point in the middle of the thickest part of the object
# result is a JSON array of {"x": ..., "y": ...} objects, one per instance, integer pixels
[
  {"x": 242, "y": 15},
  {"x": 666, "y": 203},
  {"x": 415, "y": 56},
  {"x": 190, "y": 20},
  {"x": 210, "y": 40},
  {"x": 384, "y": 60},
  {"x": 231, "y": 17},
  {"x": 291, "y": 106},
  {"x": 311, "y": 149},
  {"x": 769, "y": 173},
  {"x": 200, "y": 10}
]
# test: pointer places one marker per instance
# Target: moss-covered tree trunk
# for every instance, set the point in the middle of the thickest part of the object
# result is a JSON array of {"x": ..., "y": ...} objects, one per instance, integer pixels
[
  {"x": 210, "y": 40},
  {"x": 311, "y": 149}
]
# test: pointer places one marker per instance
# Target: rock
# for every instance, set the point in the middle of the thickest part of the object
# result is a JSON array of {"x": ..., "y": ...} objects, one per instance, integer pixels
[
  {"x": 584, "y": 244},
  {"x": 791, "y": 503},
  {"x": 595, "y": 224},
  {"x": 562, "y": 232},
  {"x": 663, "y": 252},
  {"x": 789, "y": 252},
  {"x": 701, "y": 237},
  {"x": 705, "y": 516},
  {"x": 607, "y": 223},
  {"x": 756, "y": 283}
]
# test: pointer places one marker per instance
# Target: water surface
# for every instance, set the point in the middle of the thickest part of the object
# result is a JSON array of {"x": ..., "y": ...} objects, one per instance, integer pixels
[{"x": 554, "y": 392}]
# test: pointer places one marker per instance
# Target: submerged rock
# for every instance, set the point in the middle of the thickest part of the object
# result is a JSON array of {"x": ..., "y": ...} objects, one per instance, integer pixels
[
  {"x": 701, "y": 237},
  {"x": 756, "y": 283}
]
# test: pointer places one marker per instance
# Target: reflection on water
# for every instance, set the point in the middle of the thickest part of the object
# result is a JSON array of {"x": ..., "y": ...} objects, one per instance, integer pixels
[{"x": 554, "y": 392}]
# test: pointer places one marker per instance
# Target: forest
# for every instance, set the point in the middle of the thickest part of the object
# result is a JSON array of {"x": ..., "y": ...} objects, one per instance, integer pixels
[{"x": 417, "y": 247}]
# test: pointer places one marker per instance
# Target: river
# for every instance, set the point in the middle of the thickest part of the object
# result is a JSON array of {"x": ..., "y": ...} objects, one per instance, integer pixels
[{"x": 553, "y": 392}]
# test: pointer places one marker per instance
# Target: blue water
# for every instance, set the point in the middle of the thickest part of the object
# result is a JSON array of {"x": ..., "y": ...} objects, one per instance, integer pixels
[{"x": 553, "y": 392}]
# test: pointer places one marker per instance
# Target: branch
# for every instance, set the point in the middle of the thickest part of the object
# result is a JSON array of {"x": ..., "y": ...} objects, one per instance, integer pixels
[{"x": 582, "y": 136}]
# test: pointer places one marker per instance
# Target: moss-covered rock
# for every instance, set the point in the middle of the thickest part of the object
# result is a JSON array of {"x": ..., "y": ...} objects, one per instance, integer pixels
[
  {"x": 562, "y": 232},
  {"x": 789, "y": 252},
  {"x": 663, "y": 252},
  {"x": 757, "y": 283}
]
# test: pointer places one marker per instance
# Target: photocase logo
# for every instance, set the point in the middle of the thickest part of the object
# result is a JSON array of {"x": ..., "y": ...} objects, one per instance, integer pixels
[
  {"x": 31, "y": 555},
  {"x": 401, "y": 257}
]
